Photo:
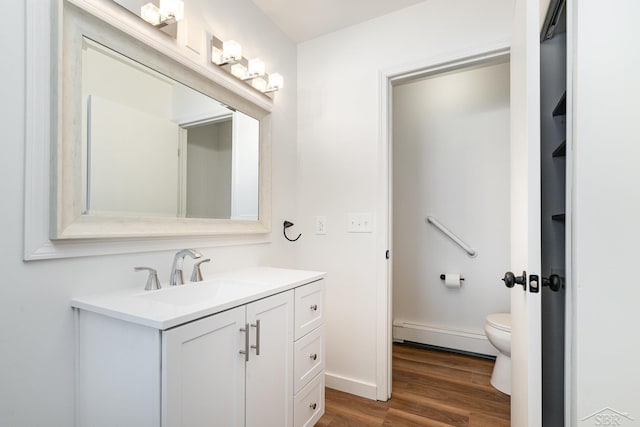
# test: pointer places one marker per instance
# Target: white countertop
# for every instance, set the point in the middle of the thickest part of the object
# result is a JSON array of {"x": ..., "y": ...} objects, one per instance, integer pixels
[{"x": 169, "y": 307}]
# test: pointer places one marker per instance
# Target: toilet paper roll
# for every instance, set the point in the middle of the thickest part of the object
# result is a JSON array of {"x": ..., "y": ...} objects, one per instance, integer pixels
[{"x": 452, "y": 280}]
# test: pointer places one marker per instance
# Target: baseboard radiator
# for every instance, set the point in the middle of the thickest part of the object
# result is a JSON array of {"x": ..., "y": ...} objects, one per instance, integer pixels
[{"x": 468, "y": 341}]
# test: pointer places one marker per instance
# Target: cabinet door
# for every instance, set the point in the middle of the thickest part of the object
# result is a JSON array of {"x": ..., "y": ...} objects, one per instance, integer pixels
[
  {"x": 269, "y": 379},
  {"x": 203, "y": 372}
]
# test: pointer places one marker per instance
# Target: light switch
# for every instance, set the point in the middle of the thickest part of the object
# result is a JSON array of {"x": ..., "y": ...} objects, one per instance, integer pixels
[
  {"x": 360, "y": 223},
  {"x": 321, "y": 225}
]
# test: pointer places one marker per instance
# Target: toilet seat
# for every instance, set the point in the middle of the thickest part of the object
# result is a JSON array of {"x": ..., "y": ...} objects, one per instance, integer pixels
[{"x": 500, "y": 321}]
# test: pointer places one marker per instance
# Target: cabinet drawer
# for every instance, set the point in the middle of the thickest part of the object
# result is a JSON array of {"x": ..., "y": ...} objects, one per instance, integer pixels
[
  {"x": 309, "y": 357},
  {"x": 308, "y": 405},
  {"x": 309, "y": 307}
]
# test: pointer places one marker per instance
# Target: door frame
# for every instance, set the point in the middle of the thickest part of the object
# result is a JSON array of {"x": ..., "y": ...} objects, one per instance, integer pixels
[{"x": 387, "y": 78}]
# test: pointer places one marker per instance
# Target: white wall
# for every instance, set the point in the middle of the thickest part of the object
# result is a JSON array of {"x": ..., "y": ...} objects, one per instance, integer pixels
[
  {"x": 450, "y": 148},
  {"x": 339, "y": 156},
  {"x": 606, "y": 202},
  {"x": 36, "y": 327}
]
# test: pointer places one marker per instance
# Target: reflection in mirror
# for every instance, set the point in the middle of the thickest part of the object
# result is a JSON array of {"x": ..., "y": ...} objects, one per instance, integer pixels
[{"x": 157, "y": 148}]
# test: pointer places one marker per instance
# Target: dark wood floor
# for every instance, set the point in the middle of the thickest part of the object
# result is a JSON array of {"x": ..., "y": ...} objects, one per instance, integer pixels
[{"x": 430, "y": 388}]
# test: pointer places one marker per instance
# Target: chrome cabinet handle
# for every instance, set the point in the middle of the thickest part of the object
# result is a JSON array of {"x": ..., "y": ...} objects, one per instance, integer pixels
[
  {"x": 246, "y": 342},
  {"x": 257, "y": 346},
  {"x": 313, "y": 356},
  {"x": 314, "y": 307},
  {"x": 313, "y": 406}
]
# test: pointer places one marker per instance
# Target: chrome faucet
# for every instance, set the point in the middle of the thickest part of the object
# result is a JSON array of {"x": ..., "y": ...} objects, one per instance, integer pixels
[{"x": 176, "y": 269}]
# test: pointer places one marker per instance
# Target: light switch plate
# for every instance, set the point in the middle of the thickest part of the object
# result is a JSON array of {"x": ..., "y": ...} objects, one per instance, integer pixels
[
  {"x": 321, "y": 225},
  {"x": 360, "y": 222}
]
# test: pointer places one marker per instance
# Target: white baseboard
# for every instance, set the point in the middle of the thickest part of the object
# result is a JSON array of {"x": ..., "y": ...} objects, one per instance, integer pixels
[
  {"x": 449, "y": 338},
  {"x": 350, "y": 385}
]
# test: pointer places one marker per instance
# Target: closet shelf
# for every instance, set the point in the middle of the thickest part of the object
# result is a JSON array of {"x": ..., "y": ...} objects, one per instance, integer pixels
[
  {"x": 558, "y": 217},
  {"x": 561, "y": 106},
  {"x": 561, "y": 150}
]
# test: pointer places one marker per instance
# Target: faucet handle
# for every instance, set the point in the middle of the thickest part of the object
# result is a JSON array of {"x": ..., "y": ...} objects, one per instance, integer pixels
[
  {"x": 152, "y": 281},
  {"x": 176, "y": 277},
  {"x": 196, "y": 274}
]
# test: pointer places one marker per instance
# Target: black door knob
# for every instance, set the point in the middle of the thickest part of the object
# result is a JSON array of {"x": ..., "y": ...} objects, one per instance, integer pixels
[
  {"x": 554, "y": 282},
  {"x": 510, "y": 279}
]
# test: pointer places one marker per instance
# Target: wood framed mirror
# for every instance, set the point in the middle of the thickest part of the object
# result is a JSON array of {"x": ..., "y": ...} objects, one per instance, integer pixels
[{"x": 149, "y": 147}]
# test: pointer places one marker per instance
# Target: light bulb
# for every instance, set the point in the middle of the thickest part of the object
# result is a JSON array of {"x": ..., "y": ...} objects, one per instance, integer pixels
[
  {"x": 172, "y": 10},
  {"x": 256, "y": 68},
  {"x": 150, "y": 13},
  {"x": 239, "y": 70},
  {"x": 276, "y": 82},
  {"x": 231, "y": 51},
  {"x": 259, "y": 84},
  {"x": 216, "y": 56}
]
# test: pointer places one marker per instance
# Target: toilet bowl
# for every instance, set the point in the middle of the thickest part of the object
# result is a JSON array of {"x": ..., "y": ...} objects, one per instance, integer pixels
[{"x": 497, "y": 327}]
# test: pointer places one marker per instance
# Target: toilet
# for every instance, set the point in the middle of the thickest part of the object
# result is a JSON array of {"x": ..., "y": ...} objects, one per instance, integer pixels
[{"x": 497, "y": 327}]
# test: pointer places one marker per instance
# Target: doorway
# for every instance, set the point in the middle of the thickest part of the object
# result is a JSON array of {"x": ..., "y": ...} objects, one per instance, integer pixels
[
  {"x": 471, "y": 61},
  {"x": 450, "y": 205}
]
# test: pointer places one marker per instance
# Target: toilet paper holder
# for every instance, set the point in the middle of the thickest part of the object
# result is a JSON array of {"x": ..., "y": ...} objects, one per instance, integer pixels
[{"x": 442, "y": 277}]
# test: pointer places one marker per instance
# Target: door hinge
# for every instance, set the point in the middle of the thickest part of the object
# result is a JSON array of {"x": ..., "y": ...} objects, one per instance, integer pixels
[{"x": 387, "y": 254}]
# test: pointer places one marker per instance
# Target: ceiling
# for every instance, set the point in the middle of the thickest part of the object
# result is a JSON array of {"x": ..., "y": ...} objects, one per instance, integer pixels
[{"x": 303, "y": 20}]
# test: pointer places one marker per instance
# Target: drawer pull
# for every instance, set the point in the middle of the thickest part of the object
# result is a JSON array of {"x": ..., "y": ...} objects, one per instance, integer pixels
[
  {"x": 313, "y": 356},
  {"x": 314, "y": 307},
  {"x": 313, "y": 406}
]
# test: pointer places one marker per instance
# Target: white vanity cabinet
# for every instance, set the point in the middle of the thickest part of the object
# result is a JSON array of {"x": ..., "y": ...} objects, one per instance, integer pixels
[
  {"x": 138, "y": 367},
  {"x": 205, "y": 377}
]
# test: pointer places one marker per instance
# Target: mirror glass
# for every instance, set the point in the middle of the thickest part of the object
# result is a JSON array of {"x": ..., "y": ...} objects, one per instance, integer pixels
[{"x": 157, "y": 148}]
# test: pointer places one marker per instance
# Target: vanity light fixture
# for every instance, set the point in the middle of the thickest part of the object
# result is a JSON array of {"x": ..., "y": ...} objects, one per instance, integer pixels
[
  {"x": 228, "y": 55},
  {"x": 255, "y": 68},
  {"x": 239, "y": 70},
  {"x": 227, "y": 52},
  {"x": 231, "y": 50},
  {"x": 151, "y": 13},
  {"x": 260, "y": 84},
  {"x": 276, "y": 82},
  {"x": 247, "y": 70},
  {"x": 169, "y": 12}
]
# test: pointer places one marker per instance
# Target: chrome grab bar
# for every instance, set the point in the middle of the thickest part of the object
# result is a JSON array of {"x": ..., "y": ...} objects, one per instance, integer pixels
[{"x": 468, "y": 249}]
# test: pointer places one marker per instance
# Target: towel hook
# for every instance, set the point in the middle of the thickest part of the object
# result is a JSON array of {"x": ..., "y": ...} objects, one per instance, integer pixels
[{"x": 286, "y": 225}]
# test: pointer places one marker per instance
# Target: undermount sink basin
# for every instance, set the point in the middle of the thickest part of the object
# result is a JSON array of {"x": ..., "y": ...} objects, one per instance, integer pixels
[{"x": 201, "y": 292}]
